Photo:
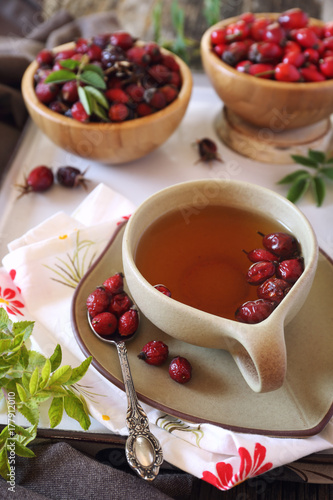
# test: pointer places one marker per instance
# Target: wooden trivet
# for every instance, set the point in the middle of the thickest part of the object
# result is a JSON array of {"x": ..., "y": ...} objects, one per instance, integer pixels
[{"x": 271, "y": 146}]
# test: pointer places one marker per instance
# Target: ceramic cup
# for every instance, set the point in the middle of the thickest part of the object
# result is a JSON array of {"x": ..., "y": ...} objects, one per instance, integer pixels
[{"x": 259, "y": 349}]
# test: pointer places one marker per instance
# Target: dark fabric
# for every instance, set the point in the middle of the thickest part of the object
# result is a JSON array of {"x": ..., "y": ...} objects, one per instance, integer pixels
[{"x": 60, "y": 472}]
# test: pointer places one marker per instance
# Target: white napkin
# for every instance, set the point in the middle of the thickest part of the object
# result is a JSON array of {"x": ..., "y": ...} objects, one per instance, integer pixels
[{"x": 221, "y": 457}]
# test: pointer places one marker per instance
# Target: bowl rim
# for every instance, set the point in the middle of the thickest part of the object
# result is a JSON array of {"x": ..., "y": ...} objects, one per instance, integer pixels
[
  {"x": 205, "y": 48},
  {"x": 28, "y": 92}
]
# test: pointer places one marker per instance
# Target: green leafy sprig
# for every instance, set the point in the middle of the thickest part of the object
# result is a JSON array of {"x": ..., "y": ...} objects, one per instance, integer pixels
[
  {"x": 301, "y": 180},
  {"x": 27, "y": 379},
  {"x": 180, "y": 45},
  {"x": 212, "y": 11},
  {"x": 92, "y": 76}
]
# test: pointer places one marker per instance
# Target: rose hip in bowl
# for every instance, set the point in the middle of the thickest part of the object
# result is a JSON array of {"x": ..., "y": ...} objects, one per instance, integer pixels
[
  {"x": 95, "y": 82},
  {"x": 283, "y": 70},
  {"x": 287, "y": 43}
]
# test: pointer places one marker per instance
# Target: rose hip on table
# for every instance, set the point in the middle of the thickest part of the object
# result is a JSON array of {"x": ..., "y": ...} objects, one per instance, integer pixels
[
  {"x": 207, "y": 150},
  {"x": 180, "y": 370},
  {"x": 42, "y": 178},
  {"x": 71, "y": 177},
  {"x": 111, "y": 310},
  {"x": 274, "y": 270},
  {"x": 156, "y": 352},
  {"x": 297, "y": 49},
  {"x": 39, "y": 179},
  {"x": 107, "y": 78}
]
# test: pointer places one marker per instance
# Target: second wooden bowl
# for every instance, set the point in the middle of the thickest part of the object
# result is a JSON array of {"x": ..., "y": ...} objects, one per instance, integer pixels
[{"x": 276, "y": 105}]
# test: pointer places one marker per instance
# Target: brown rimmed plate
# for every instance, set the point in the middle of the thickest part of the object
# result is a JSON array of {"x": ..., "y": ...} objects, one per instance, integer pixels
[{"x": 217, "y": 392}]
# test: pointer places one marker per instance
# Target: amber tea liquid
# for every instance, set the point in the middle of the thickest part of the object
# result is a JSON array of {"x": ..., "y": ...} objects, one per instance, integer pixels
[{"x": 200, "y": 259}]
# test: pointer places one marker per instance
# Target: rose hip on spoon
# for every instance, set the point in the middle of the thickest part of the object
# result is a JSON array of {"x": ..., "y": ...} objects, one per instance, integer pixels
[{"x": 143, "y": 450}]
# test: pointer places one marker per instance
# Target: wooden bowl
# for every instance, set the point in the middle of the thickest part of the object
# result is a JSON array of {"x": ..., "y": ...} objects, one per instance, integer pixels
[
  {"x": 276, "y": 105},
  {"x": 108, "y": 142},
  {"x": 259, "y": 349}
]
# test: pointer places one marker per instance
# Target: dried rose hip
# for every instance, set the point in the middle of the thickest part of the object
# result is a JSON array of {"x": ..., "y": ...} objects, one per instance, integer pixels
[
  {"x": 292, "y": 44},
  {"x": 207, "y": 150},
  {"x": 254, "y": 311},
  {"x": 118, "y": 112},
  {"x": 114, "y": 284},
  {"x": 97, "y": 302},
  {"x": 260, "y": 272},
  {"x": 46, "y": 92},
  {"x": 104, "y": 323},
  {"x": 234, "y": 53},
  {"x": 180, "y": 370},
  {"x": 163, "y": 289},
  {"x": 44, "y": 57},
  {"x": 293, "y": 18},
  {"x": 69, "y": 91},
  {"x": 79, "y": 113},
  {"x": 71, "y": 177},
  {"x": 273, "y": 289},
  {"x": 120, "y": 303},
  {"x": 122, "y": 39},
  {"x": 40, "y": 179},
  {"x": 283, "y": 245},
  {"x": 290, "y": 270},
  {"x": 260, "y": 254},
  {"x": 125, "y": 69},
  {"x": 154, "y": 352},
  {"x": 128, "y": 323}
]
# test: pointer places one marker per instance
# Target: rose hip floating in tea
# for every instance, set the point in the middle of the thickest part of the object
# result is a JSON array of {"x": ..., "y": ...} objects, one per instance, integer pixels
[
  {"x": 180, "y": 370},
  {"x": 281, "y": 266},
  {"x": 198, "y": 255},
  {"x": 207, "y": 150}
]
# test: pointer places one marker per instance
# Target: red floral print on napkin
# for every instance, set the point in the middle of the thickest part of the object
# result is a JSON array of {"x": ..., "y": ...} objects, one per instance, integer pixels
[
  {"x": 249, "y": 467},
  {"x": 12, "y": 274},
  {"x": 9, "y": 302}
]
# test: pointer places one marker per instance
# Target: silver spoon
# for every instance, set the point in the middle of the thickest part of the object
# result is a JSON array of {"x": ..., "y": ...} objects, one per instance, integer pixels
[{"x": 143, "y": 450}]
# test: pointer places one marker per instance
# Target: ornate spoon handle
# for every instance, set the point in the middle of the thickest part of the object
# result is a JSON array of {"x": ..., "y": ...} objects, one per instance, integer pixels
[{"x": 143, "y": 450}]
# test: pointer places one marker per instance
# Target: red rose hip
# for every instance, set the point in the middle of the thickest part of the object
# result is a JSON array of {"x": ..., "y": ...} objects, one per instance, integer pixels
[
  {"x": 260, "y": 254},
  {"x": 180, "y": 370},
  {"x": 154, "y": 352},
  {"x": 273, "y": 289},
  {"x": 260, "y": 272},
  {"x": 254, "y": 311},
  {"x": 290, "y": 270},
  {"x": 293, "y": 18},
  {"x": 283, "y": 245},
  {"x": 39, "y": 179},
  {"x": 114, "y": 284},
  {"x": 128, "y": 323},
  {"x": 163, "y": 289},
  {"x": 97, "y": 302},
  {"x": 120, "y": 303}
]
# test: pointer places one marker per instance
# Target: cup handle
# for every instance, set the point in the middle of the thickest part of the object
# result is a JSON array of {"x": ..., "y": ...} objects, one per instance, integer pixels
[{"x": 262, "y": 358}]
